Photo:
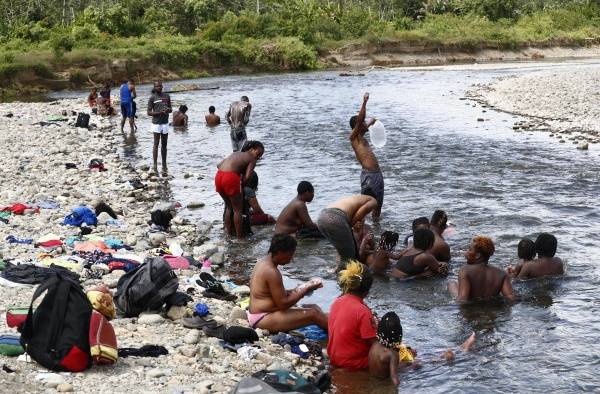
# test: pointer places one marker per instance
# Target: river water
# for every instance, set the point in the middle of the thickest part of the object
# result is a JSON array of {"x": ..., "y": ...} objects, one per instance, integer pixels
[{"x": 490, "y": 180}]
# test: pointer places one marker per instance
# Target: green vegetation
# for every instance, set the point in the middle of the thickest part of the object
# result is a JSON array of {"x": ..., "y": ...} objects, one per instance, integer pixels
[{"x": 201, "y": 37}]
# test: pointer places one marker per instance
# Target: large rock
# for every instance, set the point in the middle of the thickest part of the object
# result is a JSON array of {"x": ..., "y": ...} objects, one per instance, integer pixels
[
  {"x": 150, "y": 318},
  {"x": 177, "y": 312},
  {"x": 157, "y": 239}
]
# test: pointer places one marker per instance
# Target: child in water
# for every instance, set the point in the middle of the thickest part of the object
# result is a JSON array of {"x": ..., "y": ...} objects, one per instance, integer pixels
[{"x": 388, "y": 354}]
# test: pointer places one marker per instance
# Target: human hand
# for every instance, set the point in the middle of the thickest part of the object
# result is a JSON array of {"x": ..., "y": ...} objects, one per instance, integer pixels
[
  {"x": 510, "y": 270},
  {"x": 366, "y": 97},
  {"x": 443, "y": 269}
]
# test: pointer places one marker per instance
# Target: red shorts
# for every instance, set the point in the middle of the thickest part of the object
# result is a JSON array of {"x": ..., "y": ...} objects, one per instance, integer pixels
[{"x": 228, "y": 183}]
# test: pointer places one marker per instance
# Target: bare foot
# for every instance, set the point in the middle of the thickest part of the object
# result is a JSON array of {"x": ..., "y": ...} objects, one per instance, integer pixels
[{"x": 466, "y": 346}]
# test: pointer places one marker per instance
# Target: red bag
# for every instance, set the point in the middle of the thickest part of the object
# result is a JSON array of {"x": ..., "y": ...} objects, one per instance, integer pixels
[
  {"x": 103, "y": 341},
  {"x": 15, "y": 317}
]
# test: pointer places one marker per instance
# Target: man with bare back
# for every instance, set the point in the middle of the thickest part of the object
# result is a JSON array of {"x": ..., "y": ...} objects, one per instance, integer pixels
[
  {"x": 295, "y": 219},
  {"x": 371, "y": 178},
  {"x": 232, "y": 173},
  {"x": 336, "y": 221},
  {"x": 271, "y": 305}
]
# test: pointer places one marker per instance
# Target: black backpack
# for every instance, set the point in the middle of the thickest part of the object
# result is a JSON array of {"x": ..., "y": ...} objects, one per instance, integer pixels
[
  {"x": 83, "y": 120},
  {"x": 146, "y": 287},
  {"x": 56, "y": 335}
]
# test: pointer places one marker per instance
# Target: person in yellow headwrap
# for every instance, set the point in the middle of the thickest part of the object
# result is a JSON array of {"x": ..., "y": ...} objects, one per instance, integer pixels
[{"x": 352, "y": 327}]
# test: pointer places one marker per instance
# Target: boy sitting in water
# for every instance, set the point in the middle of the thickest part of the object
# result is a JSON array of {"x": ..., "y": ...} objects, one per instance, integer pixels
[
  {"x": 546, "y": 264},
  {"x": 389, "y": 354},
  {"x": 526, "y": 253}
]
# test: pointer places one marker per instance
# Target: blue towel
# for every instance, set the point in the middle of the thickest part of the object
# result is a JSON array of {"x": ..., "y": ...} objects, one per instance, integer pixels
[
  {"x": 313, "y": 332},
  {"x": 81, "y": 215}
]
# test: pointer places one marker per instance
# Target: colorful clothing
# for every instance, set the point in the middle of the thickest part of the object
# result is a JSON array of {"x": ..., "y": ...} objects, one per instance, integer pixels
[
  {"x": 228, "y": 183},
  {"x": 351, "y": 328}
]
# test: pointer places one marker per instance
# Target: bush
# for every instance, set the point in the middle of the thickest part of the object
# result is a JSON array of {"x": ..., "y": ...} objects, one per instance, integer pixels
[
  {"x": 60, "y": 43},
  {"x": 84, "y": 32}
]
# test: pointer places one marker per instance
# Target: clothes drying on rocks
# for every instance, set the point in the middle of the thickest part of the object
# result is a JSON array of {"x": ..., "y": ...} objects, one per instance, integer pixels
[
  {"x": 144, "y": 351},
  {"x": 81, "y": 215}
]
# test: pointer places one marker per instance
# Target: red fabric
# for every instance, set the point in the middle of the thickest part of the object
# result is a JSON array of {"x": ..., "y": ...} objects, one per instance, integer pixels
[
  {"x": 228, "y": 183},
  {"x": 351, "y": 326},
  {"x": 177, "y": 262},
  {"x": 16, "y": 317},
  {"x": 76, "y": 360},
  {"x": 50, "y": 244},
  {"x": 18, "y": 209},
  {"x": 103, "y": 341}
]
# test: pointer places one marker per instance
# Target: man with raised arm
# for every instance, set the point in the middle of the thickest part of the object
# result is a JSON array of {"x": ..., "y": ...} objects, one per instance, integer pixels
[{"x": 371, "y": 178}]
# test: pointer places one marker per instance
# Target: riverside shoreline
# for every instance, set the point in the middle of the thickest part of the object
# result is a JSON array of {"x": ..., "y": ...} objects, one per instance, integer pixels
[
  {"x": 350, "y": 58},
  {"x": 33, "y": 169},
  {"x": 563, "y": 103}
]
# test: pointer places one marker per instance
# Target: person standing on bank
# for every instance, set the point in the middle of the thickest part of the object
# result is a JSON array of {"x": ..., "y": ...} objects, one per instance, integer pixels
[
  {"x": 238, "y": 117},
  {"x": 159, "y": 107}
]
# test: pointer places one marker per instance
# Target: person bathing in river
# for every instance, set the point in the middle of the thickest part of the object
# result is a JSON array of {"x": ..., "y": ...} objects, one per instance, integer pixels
[
  {"x": 180, "y": 118},
  {"x": 271, "y": 305},
  {"x": 257, "y": 216},
  {"x": 159, "y": 107},
  {"x": 417, "y": 261},
  {"x": 418, "y": 223},
  {"x": 127, "y": 94},
  {"x": 211, "y": 118},
  {"x": 336, "y": 221},
  {"x": 232, "y": 172},
  {"x": 526, "y": 253},
  {"x": 352, "y": 326},
  {"x": 439, "y": 223},
  {"x": 477, "y": 279},
  {"x": 545, "y": 265},
  {"x": 294, "y": 218},
  {"x": 92, "y": 100},
  {"x": 388, "y": 354},
  {"x": 238, "y": 117},
  {"x": 371, "y": 178}
]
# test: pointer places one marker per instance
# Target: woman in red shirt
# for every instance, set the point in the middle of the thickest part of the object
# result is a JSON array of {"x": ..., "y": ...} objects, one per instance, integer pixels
[{"x": 352, "y": 327}]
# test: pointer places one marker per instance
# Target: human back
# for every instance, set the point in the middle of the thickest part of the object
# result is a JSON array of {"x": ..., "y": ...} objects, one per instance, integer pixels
[
  {"x": 351, "y": 205},
  {"x": 236, "y": 162},
  {"x": 486, "y": 281}
]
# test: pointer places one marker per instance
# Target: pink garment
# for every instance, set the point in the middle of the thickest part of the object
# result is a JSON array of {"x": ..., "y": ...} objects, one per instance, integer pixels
[
  {"x": 255, "y": 318},
  {"x": 177, "y": 262},
  {"x": 91, "y": 246}
]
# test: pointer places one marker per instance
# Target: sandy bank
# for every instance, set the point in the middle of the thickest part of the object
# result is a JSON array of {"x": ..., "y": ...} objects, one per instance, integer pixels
[
  {"x": 564, "y": 103},
  {"x": 32, "y": 167}
]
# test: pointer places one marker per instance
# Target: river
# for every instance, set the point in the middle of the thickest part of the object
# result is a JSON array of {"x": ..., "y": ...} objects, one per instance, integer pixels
[{"x": 491, "y": 181}]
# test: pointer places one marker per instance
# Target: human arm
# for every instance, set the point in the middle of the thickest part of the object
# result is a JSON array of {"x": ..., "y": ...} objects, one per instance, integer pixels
[
  {"x": 521, "y": 271},
  {"x": 249, "y": 169},
  {"x": 151, "y": 106},
  {"x": 256, "y": 208},
  {"x": 304, "y": 216},
  {"x": 364, "y": 210},
  {"x": 282, "y": 298},
  {"x": 185, "y": 120},
  {"x": 464, "y": 286},
  {"x": 359, "y": 127},
  {"x": 507, "y": 290},
  {"x": 228, "y": 115},
  {"x": 434, "y": 265},
  {"x": 394, "y": 360},
  {"x": 169, "y": 108},
  {"x": 247, "y": 111},
  {"x": 133, "y": 93}
]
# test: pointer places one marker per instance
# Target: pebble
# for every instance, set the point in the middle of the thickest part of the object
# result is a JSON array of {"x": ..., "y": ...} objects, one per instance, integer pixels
[
  {"x": 157, "y": 373},
  {"x": 195, "y": 204},
  {"x": 237, "y": 313},
  {"x": 188, "y": 351},
  {"x": 177, "y": 312},
  {"x": 150, "y": 318},
  {"x": 583, "y": 146},
  {"x": 64, "y": 388},
  {"x": 192, "y": 337}
]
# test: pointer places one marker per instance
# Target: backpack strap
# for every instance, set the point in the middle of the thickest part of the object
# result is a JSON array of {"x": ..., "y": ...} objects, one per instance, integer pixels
[
  {"x": 27, "y": 327},
  {"x": 60, "y": 309}
]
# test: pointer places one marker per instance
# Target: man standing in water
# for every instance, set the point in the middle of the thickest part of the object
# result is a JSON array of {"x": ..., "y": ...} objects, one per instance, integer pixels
[
  {"x": 295, "y": 219},
  {"x": 371, "y": 178},
  {"x": 211, "y": 118},
  {"x": 127, "y": 95},
  {"x": 238, "y": 117},
  {"x": 477, "y": 279},
  {"x": 335, "y": 223},
  {"x": 159, "y": 107}
]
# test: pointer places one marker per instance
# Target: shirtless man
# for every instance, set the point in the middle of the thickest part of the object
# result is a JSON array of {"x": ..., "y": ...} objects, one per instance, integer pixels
[
  {"x": 371, "y": 178},
  {"x": 271, "y": 305},
  {"x": 439, "y": 222},
  {"x": 336, "y": 221},
  {"x": 294, "y": 219},
  {"x": 238, "y": 117},
  {"x": 212, "y": 119},
  {"x": 180, "y": 118},
  {"x": 545, "y": 265},
  {"x": 232, "y": 172},
  {"x": 477, "y": 279}
]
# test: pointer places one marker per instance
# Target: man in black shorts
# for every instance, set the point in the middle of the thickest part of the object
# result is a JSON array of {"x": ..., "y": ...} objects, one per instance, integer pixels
[{"x": 371, "y": 178}]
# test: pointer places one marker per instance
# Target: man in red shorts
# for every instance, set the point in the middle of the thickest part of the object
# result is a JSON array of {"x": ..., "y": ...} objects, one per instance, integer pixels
[{"x": 232, "y": 173}]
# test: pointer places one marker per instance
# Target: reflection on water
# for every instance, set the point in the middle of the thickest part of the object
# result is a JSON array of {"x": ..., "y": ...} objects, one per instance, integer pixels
[{"x": 490, "y": 181}]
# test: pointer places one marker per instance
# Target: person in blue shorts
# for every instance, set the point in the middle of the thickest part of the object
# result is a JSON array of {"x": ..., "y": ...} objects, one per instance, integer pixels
[{"x": 127, "y": 94}]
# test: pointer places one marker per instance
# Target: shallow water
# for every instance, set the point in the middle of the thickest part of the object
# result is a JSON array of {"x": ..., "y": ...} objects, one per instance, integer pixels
[{"x": 489, "y": 179}]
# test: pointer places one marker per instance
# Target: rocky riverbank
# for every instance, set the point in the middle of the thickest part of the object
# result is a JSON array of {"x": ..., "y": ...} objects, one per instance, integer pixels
[
  {"x": 39, "y": 140},
  {"x": 563, "y": 103}
]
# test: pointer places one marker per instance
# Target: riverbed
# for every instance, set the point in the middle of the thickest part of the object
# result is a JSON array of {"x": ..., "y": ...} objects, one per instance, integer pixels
[{"x": 443, "y": 152}]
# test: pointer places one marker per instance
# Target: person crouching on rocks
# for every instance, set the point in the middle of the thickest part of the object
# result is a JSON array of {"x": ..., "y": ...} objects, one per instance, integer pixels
[
  {"x": 271, "y": 305},
  {"x": 229, "y": 183}
]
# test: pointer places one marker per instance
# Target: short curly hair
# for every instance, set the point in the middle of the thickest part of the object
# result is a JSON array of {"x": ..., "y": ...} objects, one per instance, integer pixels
[{"x": 484, "y": 246}]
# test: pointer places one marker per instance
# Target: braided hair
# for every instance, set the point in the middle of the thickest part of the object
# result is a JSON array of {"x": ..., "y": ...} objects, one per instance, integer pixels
[
  {"x": 356, "y": 278},
  {"x": 389, "y": 330}
]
